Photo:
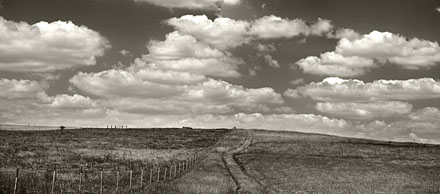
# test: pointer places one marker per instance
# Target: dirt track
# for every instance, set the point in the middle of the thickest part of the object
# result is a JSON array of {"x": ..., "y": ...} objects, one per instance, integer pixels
[{"x": 245, "y": 184}]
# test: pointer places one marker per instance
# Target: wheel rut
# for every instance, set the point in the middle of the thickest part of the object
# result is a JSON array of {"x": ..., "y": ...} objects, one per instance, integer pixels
[{"x": 245, "y": 184}]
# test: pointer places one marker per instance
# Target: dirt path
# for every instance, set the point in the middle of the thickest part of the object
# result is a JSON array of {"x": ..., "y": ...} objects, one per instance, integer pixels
[{"x": 245, "y": 184}]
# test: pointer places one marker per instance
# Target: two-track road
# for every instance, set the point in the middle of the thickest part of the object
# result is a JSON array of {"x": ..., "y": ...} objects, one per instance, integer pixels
[{"x": 245, "y": 184}]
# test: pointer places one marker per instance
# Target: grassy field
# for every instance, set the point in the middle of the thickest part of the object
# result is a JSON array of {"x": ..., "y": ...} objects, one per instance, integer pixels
[
  {"x": 37, "y": 153},
  {"x": 211, "y": 175},
  {"x": 286, "y": 162},
  {"x": 100, "y": 147},
  {"x": 282, "y": 162}
]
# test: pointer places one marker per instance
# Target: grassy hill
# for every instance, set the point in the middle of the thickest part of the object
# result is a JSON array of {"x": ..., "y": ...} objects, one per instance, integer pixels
[
  {"x": 289, "y": 162},
  {"x": 280, "y": 162}
]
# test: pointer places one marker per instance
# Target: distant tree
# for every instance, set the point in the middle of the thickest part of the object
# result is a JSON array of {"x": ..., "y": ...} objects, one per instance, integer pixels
[{"x": 62, "y": 128}]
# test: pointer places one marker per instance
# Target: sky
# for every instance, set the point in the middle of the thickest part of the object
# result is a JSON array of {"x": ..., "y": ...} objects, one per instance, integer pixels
[{"x": 361, "y": 68}]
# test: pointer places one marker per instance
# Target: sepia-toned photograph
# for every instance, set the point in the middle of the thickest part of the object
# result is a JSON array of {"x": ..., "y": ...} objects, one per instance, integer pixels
[{"x": 219, "y": 97}]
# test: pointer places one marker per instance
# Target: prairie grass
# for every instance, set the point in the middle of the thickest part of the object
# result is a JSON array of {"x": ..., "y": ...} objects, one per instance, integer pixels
[
  {"x": 100, "y": 147},
  {"x": 37, "y": 153},
  {"x": 308, "y": 163}
]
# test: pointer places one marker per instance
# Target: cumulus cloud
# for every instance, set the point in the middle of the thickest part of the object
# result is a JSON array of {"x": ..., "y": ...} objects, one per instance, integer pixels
[
  {"x": 427, "y": 114},
  {"x": 192, "y": 4},
  {"x": 418, "y": 139},
  {"x": 208, "y": 103},
  {"x": 221, "y": 92},
  {"x": 269, "y": 27},
  {"x": 75, "y": 101},
  {"x": 226, "y": 33},
  {"x": 334, "y": 89},
  {"x": 25, "y": 101},
  {"x": 355, "y": 54},
  {"x": 272, "y": 62},
  {"x": 21, "y": 94},
  {"x": 289, "y": 122},
  {"x": 334, "y": 64},
  {"x": 265, "y": 48},
  {"x": 120, "y": 83},
  {"x": 45, "y": 47},
  {"x": 186, "y": 54},
  {"x": 344, "y": 33},
  {"x": 221, "y": 32},
  {"x": 125, "y": 52},
  {"x": 298, "y": 81},
  {"x": 147, "y": 88},
  {"x": 367, "y": 110},
  {"x": 409, "y": 53},
  {"x": 164, "y": 106}
]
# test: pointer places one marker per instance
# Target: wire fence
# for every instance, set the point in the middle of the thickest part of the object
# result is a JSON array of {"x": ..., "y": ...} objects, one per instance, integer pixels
[{"x": 60, "y": 180}]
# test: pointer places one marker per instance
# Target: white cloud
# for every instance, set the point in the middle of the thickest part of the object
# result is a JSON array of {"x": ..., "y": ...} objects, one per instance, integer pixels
[
  {"x": 186, "y": 54},
  {"x": 334, "y": 64},
  {"x": 221, "y": 92},
  {"x": 192, "y": 4},
  {"x": 120, "y": 83},
  {"x": 22, "y": 90},
  {"x": 427, "y": 114},
  {"x": 409, "y": 53},
  {"x": 289, "y": 122},
  {"x": 75, "y": 101},
  {"x": 165, "y": 76},
  {"x": 368, "y": 110},
  {"x": 356, "y": 54},
  {"x": 344, "y": 33},
  {"x": 44, "y": 47},
  {"x": 335, "y": 89},
  {"x": 297, "y": 81},
  {"x": 25, "y": 101},
  {"x": 265, "y": 48},
  {"x": 220, "y": 32},
  {"x": 418, "y": 139},
  {"x": 224, "y": 33},
  {"x": 269, "y": 27},
  {"x": 321, "y": 27},
  {"x": 125, "y": 52},
  {"x": 164, "y": 106},
  {"x": 272, "y": 62},
  {"x": 146, "y": 89}
]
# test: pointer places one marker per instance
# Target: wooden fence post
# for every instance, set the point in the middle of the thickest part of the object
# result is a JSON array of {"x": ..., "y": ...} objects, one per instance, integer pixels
[
  {"x": 16, "y": 180},
  {"x": 142, "y": 177},
  {"x": 100, "y": 186},
  {"x": 131, "y": 176},
  {"x": 151, "y": 174},
  {"x": 53, "y": 180},
  {"x": 171, "y": 172},
  {"x": 175, "y": 170},
  {"x": 117, "y": 180},
  {"x": 158, "y": 174},
  {"x": 165, "y": 174},
  {"x": 80, "y": 180}
]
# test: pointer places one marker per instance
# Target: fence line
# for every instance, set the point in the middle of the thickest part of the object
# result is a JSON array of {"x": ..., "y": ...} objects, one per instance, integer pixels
[
  {"x": 65, "y": 179},
  {"x": 85, "y": 180}
]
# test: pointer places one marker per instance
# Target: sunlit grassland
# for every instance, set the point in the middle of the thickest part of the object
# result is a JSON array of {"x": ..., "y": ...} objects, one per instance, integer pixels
[
  {"x": 38, "y": 153},
  {"x": 102, "y": 147},
  {"x": 286, "y": 162},
  {"x": 210, "y": 176}
]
